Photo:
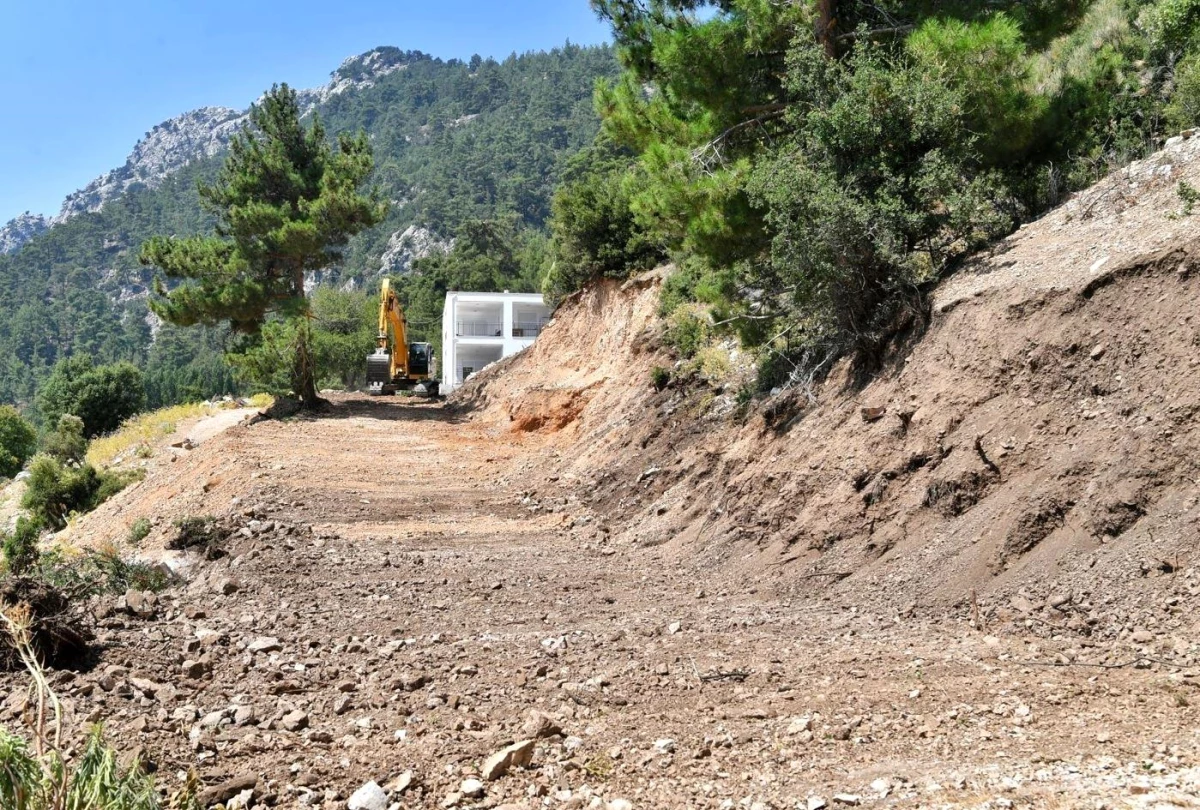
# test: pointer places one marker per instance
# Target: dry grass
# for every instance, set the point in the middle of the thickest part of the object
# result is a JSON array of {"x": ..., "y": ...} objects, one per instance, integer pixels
[{"x": 144, "y": 430}]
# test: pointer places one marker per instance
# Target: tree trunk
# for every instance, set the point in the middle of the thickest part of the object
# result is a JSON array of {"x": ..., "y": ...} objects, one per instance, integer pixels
[
  {"x": 304, "y": 371},
  {"x": 826, "y": 25}
]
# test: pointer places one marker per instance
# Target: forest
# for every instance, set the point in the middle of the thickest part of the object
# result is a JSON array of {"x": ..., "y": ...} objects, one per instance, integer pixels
[{"x": 457, "y": 144}]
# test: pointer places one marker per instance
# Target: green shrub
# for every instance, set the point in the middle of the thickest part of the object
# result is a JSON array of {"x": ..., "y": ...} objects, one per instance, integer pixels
[
  {"x": 102, "y": 396},
  {"x": 594, "y": 231},
  {"x": 18, "y": 441},
  {"x": 66, "y": 442},
  {"x": 138, "y": 531},
  {"x": 1183, "y": 112},
  {"x": 688, "y": 330},
  {"x": 660, "y": 377},
  {"x": 56, "y": 490},
  {"x": 20, "y": 547}
]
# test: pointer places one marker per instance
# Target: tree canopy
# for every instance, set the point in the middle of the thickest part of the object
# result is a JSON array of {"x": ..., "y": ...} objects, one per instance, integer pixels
[{"x": 285, "y": 204}]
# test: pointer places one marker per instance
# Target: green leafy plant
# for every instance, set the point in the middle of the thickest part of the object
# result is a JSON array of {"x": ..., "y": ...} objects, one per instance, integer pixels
[
  {"x": 101, "y": 396},
  {"x": 66, "y": 442},
  {"x": 20, "y": 547},
  {"x": 18, "y": 441},
  {"x": 138, "y": 532},
  {"x": 660, "y": 377},
  {"x": 1189, "y": 195},
  {"x": 56, "y": 490}
]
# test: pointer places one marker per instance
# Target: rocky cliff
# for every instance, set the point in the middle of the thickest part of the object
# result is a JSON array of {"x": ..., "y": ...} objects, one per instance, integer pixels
[
  {"x": 20, "y": 230},
  {"x": 204, "y": 132}
]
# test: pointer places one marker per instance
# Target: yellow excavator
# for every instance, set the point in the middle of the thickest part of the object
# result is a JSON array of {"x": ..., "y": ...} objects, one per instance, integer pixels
[{"x": 397, "y": 365}]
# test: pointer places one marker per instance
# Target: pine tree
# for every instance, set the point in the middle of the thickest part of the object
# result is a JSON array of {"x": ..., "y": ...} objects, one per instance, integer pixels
[{"x": 286, "y": 203}]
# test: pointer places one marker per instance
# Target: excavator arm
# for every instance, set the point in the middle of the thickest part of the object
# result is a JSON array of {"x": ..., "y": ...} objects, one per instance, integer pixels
[
  {"x": 397, "y": 364},
  {"x": 391, "y": 315}
]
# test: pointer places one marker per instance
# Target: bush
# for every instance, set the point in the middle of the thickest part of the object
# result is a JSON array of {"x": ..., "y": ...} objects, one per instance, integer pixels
[
  {"x": 138, "y": 532},
  {"x": 18, "y": 441},
  {"x": 660, "y": 377},
  {"x": 1184, "y": 110},
  {"x": 593, "y": 228},
  {"x": 688, "y": 330},
  {"x": 20, "y": 547},
  {"x": 66, "y": 442},
  {"x": 57, "y": 490},
  {"x": 102, "y": 396}
]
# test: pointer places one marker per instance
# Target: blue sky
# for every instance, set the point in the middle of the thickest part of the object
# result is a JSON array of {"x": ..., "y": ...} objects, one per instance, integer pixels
[{"x": 83, "y": 80}]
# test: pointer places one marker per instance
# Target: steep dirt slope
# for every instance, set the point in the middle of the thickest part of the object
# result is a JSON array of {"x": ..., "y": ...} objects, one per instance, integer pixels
[{"x": 1039, "y": 439}]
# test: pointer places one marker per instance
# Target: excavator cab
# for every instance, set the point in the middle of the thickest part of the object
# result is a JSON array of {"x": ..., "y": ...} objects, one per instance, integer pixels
[{"x": 396, "y": 364}]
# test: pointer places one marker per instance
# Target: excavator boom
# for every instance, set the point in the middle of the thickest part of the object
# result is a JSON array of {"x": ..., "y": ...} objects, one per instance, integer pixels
[{"x": 397, "y": 364}]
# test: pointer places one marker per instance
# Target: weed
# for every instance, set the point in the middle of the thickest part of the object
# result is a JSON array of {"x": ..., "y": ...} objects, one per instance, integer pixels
[
  {"x": 194, "y": 531},
  {"x": 36, "y": 776},
  {"x": 600, "y": 767},
  {"x": 713, "y": 363},
  {"x": 1189, "y": 195},
  {"x": 142, "y": 431},
  {"x": 138, "y": 532}
]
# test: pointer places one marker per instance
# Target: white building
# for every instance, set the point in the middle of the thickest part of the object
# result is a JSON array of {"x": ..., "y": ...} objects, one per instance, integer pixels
[{"x": 480, "y": 328}]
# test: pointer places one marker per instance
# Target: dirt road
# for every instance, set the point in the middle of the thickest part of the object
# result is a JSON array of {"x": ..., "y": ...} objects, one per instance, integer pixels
[{"x": 395, "y": 607}]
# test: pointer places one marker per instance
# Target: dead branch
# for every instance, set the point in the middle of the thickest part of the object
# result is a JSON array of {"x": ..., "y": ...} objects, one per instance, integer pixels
[{"x": 987, "y": 462}]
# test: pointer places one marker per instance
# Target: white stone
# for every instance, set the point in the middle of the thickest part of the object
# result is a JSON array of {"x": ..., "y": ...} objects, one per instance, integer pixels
[{"x": 368, "y": 797}]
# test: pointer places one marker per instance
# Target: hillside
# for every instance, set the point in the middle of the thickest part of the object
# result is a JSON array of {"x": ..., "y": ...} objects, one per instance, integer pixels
[
  {"x": 962, "y": 582},
  {"x": 453, "y": 141},
  {"x": 1037, "y": 441}
]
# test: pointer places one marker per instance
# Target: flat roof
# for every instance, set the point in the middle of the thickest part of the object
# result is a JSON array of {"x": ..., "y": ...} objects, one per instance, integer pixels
[{"x": 500, "y": 295}]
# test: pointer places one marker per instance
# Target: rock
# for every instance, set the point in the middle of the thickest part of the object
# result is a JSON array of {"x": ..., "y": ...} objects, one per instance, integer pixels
[
  {"x": 851, "y": 799},
  {"x": 471, "y": 788},
  {"x": 411, "y": 682},
  {"x": 816, "y": 803},
  {"x": 243, "y": 716},
  {"x": 619, "y": 804},
  {"x": 401, "y": 783},
  {"x": 674, "y": 627},
  {"x": 368, "y": 797},
  {"x": 873, "y": 414},
  {"x": 664, "y": 746},
  {"x": 219, "y": 794},
  {"x": 143, "y": 604},
  {"x": 799, "y": 725},
  {"x": 1098, "y": 352},
  {"x": 1141, "y": 637},
  {"x": 265, "y": 644},
  {"x": 294, "y": 721},
  {"x": 196, "y": 669},
  {"x": 517, "y": 755},
  {"x": 20, "y": 230},
  {"x": 227, "y": 587},
  {"x": 146, "y": 687},
  {"x": 539, "y": 726}
]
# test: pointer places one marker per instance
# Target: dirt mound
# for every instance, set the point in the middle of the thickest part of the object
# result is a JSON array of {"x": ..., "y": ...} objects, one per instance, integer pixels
[{"x": 1039, "y": 438}]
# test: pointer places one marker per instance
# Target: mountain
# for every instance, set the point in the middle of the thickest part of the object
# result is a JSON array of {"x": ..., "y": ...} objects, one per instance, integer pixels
[
  {"x": 453, "y": 140},
  {"x": 20, "y": 230},
  {"x": 205, "y": 132}
]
